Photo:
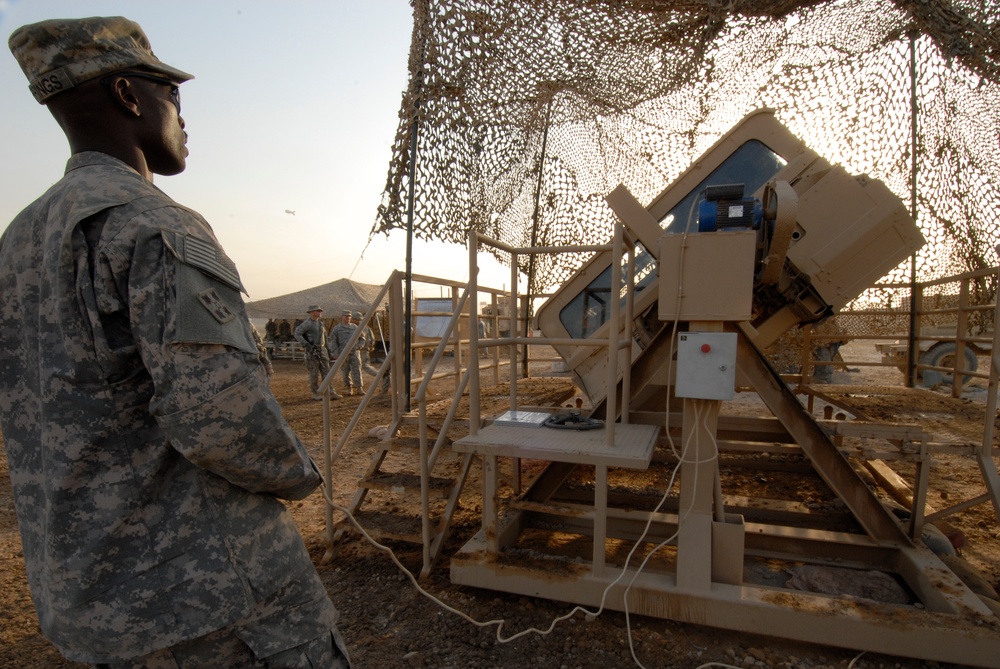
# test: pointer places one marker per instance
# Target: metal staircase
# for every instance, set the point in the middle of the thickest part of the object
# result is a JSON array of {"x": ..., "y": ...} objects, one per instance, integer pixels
[{"x": 393, "y": 476}]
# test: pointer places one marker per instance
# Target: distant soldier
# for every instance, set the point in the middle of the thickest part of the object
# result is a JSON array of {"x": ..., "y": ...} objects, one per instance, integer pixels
[
  {"x": 312, "y": 335},
  {"x": 262, "y": 353},
  {"x": 386, "y": 380},
  {"x": 284, "y": 331},
  {"x": 340, "y": 335},
  {"x": 367, "y": 346},
  {"x": 271, "y": 331},
  {"x": 481, "y": 330}
]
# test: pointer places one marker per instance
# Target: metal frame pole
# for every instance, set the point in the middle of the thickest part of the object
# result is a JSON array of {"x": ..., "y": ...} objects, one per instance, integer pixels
[{"x": 911, "y": 348}]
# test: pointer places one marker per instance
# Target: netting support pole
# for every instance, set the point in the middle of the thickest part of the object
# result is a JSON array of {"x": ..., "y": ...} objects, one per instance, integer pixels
[
  {"x": 911, "y": 348},
  {"x": 530, "y": 292},
  {"x": 418, "y": 81},
  {"x": 408, "y": 299}
]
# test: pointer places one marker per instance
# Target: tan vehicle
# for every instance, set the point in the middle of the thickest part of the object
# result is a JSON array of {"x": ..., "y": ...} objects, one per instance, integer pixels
[{"x": 937, "y": 349}]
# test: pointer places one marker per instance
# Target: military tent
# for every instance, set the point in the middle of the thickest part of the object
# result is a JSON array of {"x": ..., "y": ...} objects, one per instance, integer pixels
[{"x": 332, "y": 297}]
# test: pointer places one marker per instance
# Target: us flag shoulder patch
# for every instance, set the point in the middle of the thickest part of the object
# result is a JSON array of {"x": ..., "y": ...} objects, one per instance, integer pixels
[{"x": 210, "y": 258}]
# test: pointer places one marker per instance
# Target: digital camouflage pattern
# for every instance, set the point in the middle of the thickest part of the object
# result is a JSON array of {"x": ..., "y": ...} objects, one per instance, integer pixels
[
  {"x": 340, "y": 336},
  {"x": 226, "y": 650},
  {"x": 366, "y": 351},
  {"x": 58, "y": 54},
  {"x": 312, "y": 335},
  {"x": 233, "y": 647},
  {"x": 262, "y": 354},
  {"x": 146, "y": 452}
]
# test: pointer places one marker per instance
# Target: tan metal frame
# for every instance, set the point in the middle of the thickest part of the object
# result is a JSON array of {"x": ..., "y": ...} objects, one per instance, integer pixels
[
  {"x": 951, "y": 624},
  {"x": 710, "y": 543},
  {"x": 425, "y": 454},
  {"x": 709, "y": 540}
]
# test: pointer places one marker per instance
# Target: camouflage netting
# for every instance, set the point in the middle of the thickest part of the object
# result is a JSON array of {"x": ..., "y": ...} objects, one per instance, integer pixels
[{"x": 632, "y": 91}]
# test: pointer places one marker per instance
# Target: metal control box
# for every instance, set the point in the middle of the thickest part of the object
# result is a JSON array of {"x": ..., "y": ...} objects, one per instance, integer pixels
[
  {"x": 707, "y": 276},
  {"x": 706, "y": 365}
]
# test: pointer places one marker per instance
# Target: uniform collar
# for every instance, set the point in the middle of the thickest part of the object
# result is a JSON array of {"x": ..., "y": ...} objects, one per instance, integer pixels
[{"x": 96, "y": 158}]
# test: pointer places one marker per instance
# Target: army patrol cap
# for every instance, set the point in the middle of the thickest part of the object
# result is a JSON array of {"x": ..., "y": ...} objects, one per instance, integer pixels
[
  {"x": 357, "y": 315},
  {"x": 58, "y": 54},
  {"x": 313, "y": 307},
  {"x": 345, "y": 312}
]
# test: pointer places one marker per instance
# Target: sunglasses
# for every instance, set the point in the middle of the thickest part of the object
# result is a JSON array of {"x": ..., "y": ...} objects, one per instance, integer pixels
[{"x": 175, "y": 92}]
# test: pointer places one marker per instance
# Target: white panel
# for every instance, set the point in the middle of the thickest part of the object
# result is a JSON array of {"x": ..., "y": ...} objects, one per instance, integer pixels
[{"x": 706, "y": 365}]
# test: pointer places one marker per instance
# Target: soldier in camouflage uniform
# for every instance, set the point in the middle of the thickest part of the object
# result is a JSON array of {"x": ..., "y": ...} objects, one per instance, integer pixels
[
  {"x": 311, "y": 334},
  {"x": 271, "y": 331},
  {"x": 367, "y": 345},
  {"x": 340, "y": 335},
  {"x": 146, "y": 453},
  {"x": 262, "y": 353},
  {"x": 285, "y": 331}
]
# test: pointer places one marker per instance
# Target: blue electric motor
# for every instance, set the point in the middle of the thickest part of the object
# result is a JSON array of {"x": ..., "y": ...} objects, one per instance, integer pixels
[{"x": 725, "y": 208}]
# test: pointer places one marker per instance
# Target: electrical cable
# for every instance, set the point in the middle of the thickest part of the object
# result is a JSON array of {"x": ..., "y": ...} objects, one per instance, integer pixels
[
  {"x": 681, "y": 457},
  {"x": 677, "y": 317},
  {"x": 856, "y": 658},
  {"x": 590, "y": 615},
  {"x": 700, "y": 420},
  {"x": 572, "y": 421},
  {"x": 682, "y": 515}
]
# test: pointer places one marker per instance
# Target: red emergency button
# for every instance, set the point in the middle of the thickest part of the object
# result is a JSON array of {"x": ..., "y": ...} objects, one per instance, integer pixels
[{"x": 705, "y": 348}]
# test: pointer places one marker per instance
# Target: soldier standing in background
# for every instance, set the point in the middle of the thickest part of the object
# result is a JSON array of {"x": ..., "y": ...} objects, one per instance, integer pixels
[
  {"x": 340, "y": 335},
  {"x": 147, "y": 455},
  {"x": 311, "y": 333},
  {"x": 285, "y": 331},
  {"x": 271, "y": 331},
  {"x": 262, "y": 353},
  {"x": 368, "y": 345}
]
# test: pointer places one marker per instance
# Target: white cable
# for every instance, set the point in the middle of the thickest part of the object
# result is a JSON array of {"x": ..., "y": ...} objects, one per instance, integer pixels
[
  {"x": 499, "y": 623},
  {"x": 590, "y": 615},
  {"x": 682, "y": 514},
  {"x": 677, "y": 316}
]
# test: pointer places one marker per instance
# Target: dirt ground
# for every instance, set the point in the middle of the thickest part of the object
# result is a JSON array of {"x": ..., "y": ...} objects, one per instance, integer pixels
[{"x": 388, "y": 623}]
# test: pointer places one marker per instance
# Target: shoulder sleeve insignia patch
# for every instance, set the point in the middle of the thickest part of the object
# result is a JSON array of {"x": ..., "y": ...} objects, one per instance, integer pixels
[
  {"x": 210, "y": 258},
  {"x": 216, "y": 306}
]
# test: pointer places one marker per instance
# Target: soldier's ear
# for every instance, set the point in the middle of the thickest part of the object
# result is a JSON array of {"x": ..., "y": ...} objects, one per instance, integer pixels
[{"x": 124, "y": 95}]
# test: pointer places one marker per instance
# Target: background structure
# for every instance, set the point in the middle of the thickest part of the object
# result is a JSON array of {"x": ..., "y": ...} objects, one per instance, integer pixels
[
  {"x": 332, "y": 297},
  {"x": 526, "y": 113}
]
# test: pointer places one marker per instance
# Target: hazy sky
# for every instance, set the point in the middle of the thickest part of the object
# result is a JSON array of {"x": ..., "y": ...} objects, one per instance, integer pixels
[{"x": 294, "y": 107}]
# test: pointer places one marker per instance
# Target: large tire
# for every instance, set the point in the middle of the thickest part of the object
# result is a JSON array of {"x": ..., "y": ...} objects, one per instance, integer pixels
[{"x": 943, "y": 355}]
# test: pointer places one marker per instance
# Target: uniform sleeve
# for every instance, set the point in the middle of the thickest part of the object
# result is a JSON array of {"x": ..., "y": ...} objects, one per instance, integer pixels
[
  {"x": 333, "y": 342},
  {"x": 210, "y": 391},
  {"x": 298, "y": 334},
  {"x": 262, "y": 354}
]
